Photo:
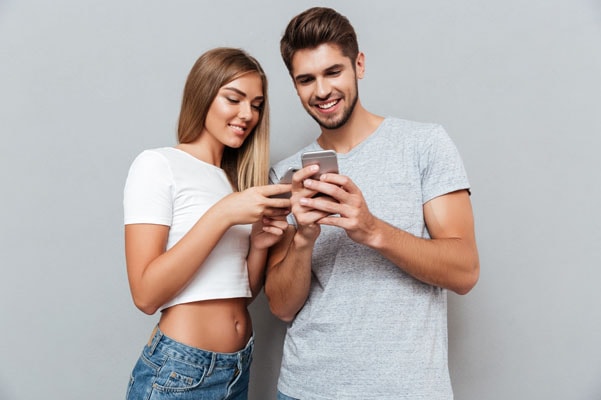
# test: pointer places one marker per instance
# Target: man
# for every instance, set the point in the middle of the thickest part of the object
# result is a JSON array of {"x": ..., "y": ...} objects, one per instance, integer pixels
[{"x": 362, "y": 274}]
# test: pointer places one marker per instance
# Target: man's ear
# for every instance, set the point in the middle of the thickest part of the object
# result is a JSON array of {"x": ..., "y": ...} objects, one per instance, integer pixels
[{"x": 360, "y": 65}]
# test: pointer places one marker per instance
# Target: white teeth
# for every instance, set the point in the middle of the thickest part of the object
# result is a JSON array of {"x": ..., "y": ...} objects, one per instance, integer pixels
[
  {"x": 238, "y": 128},
  {"x": 327, "y": 105}
]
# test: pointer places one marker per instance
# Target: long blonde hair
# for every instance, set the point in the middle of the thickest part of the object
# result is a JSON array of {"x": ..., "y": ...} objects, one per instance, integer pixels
[{"x": 248, "y": 165}]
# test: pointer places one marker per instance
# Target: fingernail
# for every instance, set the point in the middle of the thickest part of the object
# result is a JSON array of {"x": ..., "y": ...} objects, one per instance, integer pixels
[
  {"x": 308, "y": 182},
  {"x": 304, "y": 201}
]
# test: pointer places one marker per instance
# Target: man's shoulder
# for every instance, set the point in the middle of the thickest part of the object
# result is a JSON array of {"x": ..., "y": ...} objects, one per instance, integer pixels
[
  {"x": 411, "y": 133},
  {"x": 407, "y": 126}
]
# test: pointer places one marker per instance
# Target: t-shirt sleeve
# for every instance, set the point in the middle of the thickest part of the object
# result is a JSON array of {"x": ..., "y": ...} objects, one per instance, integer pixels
[
  {"x": 148, "y": 192},
  {"x": 441, "y": 166}
]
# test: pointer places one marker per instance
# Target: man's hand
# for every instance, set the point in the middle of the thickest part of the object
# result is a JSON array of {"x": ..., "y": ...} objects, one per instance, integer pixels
[
  {"x": 306, "y": 216},
  {"x": 343, "y": 206}
]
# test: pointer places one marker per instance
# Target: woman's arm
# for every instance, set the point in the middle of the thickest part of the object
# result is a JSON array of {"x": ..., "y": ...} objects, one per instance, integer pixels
[
  {"x": 263, "y": 236},
  {"x": 156, "y": 276}
]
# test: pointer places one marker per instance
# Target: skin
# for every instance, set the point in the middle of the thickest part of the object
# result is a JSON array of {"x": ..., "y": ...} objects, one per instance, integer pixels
[
  {"x": 326, "y": 84},
  {"x": 156, "y": 275}
]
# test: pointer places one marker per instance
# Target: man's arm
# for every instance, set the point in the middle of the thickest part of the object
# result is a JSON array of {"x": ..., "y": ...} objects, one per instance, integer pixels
[
  {"x": 449, "y": 259},
  {"x": 288, "y": 275}
]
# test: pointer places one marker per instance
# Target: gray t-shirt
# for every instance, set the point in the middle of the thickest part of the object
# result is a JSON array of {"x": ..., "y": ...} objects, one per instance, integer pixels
[{"x": 368, "y": 330}]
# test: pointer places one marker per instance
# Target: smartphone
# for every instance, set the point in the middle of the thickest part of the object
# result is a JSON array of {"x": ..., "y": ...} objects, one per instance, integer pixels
[
  {"x": 326, "y": 159},
  {"x": 286, "y": 178}
]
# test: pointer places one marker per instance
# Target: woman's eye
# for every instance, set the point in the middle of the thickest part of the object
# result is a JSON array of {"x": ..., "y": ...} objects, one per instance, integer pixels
[
  {"x": 258, "y": 107},
  {"x": 232, "y": 100}
]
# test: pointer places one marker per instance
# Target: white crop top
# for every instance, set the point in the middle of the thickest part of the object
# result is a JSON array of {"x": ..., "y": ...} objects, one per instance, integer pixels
[{"x": 168, "y": 186}]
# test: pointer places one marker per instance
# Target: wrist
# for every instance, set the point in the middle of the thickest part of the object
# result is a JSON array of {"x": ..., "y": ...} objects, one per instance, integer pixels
[
  {"x": 256, "y": 247},
  {"x": 219, "y": 213},
  {"x": 302, "y": 242},
  {"x": 376, "y": 238}
]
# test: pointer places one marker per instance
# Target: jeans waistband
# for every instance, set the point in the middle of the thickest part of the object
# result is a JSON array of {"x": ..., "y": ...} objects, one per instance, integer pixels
[{"x": 164, "y": 344}]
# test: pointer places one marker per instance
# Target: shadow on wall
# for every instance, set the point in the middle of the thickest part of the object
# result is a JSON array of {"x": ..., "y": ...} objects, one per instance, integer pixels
[{"x": 269, "y": 339}]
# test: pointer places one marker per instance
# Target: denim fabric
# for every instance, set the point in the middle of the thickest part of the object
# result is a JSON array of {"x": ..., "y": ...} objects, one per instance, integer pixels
[
  {"x": 168, "y": 369},
  {"x": 282, "y": 396}
]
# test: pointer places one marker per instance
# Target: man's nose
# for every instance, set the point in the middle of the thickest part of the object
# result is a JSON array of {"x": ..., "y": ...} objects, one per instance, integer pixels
[{"x": 323, "y": 88}]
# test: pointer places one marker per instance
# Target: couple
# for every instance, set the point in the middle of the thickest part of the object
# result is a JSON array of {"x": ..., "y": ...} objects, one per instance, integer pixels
[{"x": 360, "y": 279}]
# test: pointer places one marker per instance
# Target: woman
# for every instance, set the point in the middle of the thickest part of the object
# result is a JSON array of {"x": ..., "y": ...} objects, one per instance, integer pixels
[{"x": 187, "y": 215}]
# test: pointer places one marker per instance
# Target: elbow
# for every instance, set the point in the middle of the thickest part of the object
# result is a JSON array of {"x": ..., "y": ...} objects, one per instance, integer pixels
[
  {"x": 287, "y": 318},
  {"x": 147, "y": 310},
  {"x": 282, "y": 316},
  {"x": 278, "y": 308},
  {"x": 469, "y": 279},
  {"x": 465, "y": 288},
  {"x": 142, "y": 299},
  {"x": 145, "y": 306}
]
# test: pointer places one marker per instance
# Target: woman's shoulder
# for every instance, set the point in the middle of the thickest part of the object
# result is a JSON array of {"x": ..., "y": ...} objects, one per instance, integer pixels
[{"x": 158, "y": 153}]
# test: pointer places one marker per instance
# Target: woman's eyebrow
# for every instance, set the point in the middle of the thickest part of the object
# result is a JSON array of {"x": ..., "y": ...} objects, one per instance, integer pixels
[
  {"x": 241, "y": 93},
  {"x": 233, "y": 89}
]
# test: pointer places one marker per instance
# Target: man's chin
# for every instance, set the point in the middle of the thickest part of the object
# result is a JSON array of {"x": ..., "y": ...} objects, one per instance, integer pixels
[{"x": 328, "y": 123}]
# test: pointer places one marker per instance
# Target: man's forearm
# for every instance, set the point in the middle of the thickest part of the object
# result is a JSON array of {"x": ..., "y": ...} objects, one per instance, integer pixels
[
  {"x": 288, "y": 281},
  {"x": 451, "y": 262}
]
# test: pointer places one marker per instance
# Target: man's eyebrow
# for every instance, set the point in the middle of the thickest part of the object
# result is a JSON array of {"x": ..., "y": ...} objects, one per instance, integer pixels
[
  {"x": 302, "y": 76},
  {"x": 335, "y": 66},
  {"x": 328, "y": 69}
]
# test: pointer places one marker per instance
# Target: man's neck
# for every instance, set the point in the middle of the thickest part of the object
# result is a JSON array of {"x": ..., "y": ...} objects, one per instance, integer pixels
[{"x": 359, "y": 127}]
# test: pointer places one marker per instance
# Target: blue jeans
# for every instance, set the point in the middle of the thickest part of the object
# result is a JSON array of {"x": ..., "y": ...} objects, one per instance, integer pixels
[
  {"x": 282, "y": 396},
  {"x": 168, "y": 369}
]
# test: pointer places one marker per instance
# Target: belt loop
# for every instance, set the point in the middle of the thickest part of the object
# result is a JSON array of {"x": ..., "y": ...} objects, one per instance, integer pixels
[
  {"x": 155, "y": 339},
  {"x": 241, "y": 361},
  {"x": 252, "y": 343},
  {"x": 250, "y": 348},
  {"x": 245, "y": 354},
  {"x": 213, "y": 361}
]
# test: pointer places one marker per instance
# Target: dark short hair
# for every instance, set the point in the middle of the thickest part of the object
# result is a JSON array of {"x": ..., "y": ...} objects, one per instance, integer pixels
[{"x": 314, "y": 27}]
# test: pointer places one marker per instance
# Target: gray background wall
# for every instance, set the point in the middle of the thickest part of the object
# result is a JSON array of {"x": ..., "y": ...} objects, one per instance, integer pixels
[{"x": 85, "y": 86}]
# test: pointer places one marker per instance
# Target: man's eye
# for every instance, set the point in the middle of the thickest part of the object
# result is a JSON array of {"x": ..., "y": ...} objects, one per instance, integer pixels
[
  {"x": 304, "y": 81},
  {"x": 334, "y": 73}
]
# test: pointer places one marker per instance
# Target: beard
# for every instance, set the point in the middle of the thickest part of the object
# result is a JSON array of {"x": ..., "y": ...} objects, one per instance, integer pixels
[{"x": 335, "y": 123}]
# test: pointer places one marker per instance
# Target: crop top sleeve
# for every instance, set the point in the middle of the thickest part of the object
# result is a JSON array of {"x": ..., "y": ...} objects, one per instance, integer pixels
[{"x": 148, "y": 193}]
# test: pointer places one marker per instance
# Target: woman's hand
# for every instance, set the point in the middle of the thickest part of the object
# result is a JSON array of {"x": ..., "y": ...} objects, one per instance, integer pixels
[
  {"x": 252, "y": 204},
  {"x": 268, "y": 232}
]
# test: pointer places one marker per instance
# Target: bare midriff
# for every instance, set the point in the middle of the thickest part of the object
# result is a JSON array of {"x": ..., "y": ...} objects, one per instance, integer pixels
[{"x": 221, "y": 325}]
